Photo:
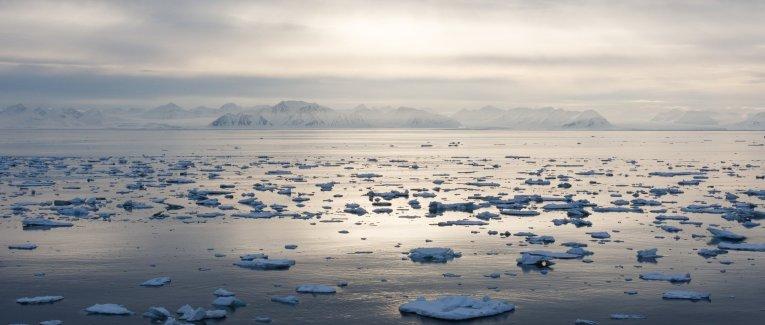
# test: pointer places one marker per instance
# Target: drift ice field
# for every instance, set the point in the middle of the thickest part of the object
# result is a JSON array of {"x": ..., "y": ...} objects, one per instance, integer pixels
[{"x": 381, "y": 226}]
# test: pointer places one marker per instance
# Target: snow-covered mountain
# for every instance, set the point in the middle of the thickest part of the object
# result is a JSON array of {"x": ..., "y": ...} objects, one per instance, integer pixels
[
  {"x": 755, "y": 121},
  {"x": 692, "y": 117},
  {"x": 547, "y": 118},
  {"x": 20, "y": 116},
  {"x": 300, "y": 114}
]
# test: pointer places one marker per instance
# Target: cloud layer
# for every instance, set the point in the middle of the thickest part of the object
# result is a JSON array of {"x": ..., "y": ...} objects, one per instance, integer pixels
[{"x": 622, "y": 55}]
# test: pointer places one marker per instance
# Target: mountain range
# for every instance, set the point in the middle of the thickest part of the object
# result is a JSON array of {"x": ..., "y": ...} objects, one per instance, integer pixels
[{"x": 294, "y": 114}]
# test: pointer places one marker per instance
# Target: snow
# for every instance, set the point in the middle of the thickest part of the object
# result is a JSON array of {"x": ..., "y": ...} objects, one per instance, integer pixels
[
  {"x": 108, "y": 309},
  {"x": 39, "y": 300},
  {"x": 688, "y": 295},
  {"x": 456, "y": 307}
]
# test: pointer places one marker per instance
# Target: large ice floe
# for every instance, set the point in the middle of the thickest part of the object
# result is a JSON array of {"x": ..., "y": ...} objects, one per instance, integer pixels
[{"x": 456, "y": 307}]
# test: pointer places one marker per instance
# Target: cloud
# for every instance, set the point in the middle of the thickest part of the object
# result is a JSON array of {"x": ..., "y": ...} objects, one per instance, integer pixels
[{"x": 444, "y": 54}]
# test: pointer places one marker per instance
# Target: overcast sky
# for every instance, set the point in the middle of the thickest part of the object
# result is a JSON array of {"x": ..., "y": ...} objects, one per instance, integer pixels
[{"x": 444, "y": 55}]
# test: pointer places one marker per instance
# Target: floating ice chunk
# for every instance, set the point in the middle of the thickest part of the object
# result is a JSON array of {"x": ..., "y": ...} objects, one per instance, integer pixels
[
  {"x": 262, "y": 319},
  {"x": 24, "y": 246},
  {"x": 580, "y": 251},
  {"x": 540, "y": 239},
  {"x": 519, "y": 213},
  {"x": 266, "y": 264},
  {"x": 725, "y": 234},
  {"x": 671, "y": 217},
  {"x": 600, "y": 235},
  {"x": 192, "y": 315},
  {"x": 538, "y": 260},
  {"x": 215, "y": 314},
  {"x": 39, "y": 300},
  {"x": 669, "y": 228},
  {"x": 220, "y": 292},
  {"x": 540, "y": 181},
  {"x": 229, "y": 301},
  {"x": 456, "y": 307},
  {"x": 51, "y": 322},
  {"x": 627, "y": 316},
  {"x": 289, "y": 300},
  {"x": 755, "y": 247},
  {"x": 486, "y": 215},
  {"x": 156, "y": 282},
  {"x": 108, "y": 309},
  {"x": 433, "y": 254},
  {"x": 315, "y": 288},
  {"x": 42, "y": 222},
  {"x": 250, "y": 257},
  {"x": 290, "y": 246},
  {"x": 658, "y": 276},
  {"x": 688, "y": 295},
  {"x": 438, "y": 207},
  {"x": 585, "y": 322},
  {"x": 705, "y": 252},
  {"x": 463, "y": 222},
  {"x": 157, "y": 313},
  {"x": 648, "y": 254},
  {"x": 354, "y": 208},
  {"x": 549, "y": 254}
]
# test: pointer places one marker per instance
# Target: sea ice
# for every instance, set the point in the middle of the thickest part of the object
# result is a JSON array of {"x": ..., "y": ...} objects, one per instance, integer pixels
[
  {"x": 108, "y": 309},
  {"x": 456, "y": 307},
  {"x": 39, "y": 300},
  {"x": 688, "y": 295}
]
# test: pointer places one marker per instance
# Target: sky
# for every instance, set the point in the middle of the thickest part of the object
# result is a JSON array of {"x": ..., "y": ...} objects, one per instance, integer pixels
[{"x": 618, "y": 57}]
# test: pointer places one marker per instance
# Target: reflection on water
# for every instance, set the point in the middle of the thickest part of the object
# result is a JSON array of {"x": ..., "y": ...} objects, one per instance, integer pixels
[{"x": 99, "y": 261}]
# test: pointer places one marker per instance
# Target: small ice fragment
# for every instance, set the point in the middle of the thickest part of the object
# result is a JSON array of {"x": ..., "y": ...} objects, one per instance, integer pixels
[
  {"x": 600, "y": 235},
  {"x": 315, "y": 288},
  {"x": 262, "y": 319},
  {"x": 657, "y": 276},
  {"x": 688, "y": 295},
  {"x": 220, "y": 292},
  {"x": 39, "y": 300},
  {"x": 289, "y": 300},
  {"x": 725, "y": 234},
  {"x": 627, "y": 316},
  {"x": 229, "y": 301},
  {"x": 24, "y": 246},
  {"x": 156, "y": 282},
  {"x": 755, "y": 247},
  {"x": 157, "y": 313},
  {"x": 266, "y": 264},
  {"x": 108, "y": 309}
]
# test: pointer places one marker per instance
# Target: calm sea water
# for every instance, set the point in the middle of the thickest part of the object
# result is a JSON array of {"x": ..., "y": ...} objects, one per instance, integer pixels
[{"x": 99, "y": 261}]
